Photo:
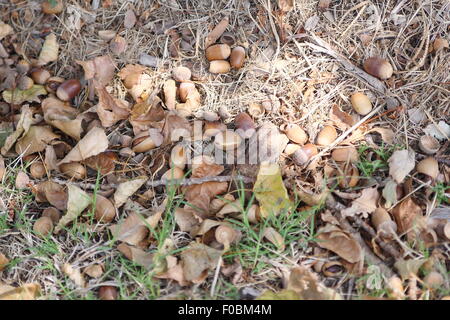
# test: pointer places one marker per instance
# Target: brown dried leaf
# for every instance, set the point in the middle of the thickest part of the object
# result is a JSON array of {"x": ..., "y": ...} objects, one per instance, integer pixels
[
  {"x": 94, "y": 270},
  {"x": 197, "y": 259},
  {"x": 100, "y": 68},
  {"x": 387, "y": 135},
  {"x": 5, "y": 30},
  {"x": 118, "y": 45},
  {"x": 405, "y": 214},
  {"x": 130, "y": 19},
  {"x": 130, "y": 70},
  {"x": 137, "y": 255},
  {"x": 28, "y": 291},
  {"x": 185, "y": 219},
  {"x": 103, "y": 162},
  {"x": 401, "y": 163},
  {"x": 3, "y": 261},
  {"x": 341, "y": 119},
  {"x": 109, "y": 109},
  {"x": 93, "y": 143},
  {"x": 35, "y": 140},
  {"x": 132, "y": 230},
  {"x": 52, "y": 192},
  {"x": 343, "y": 244},
  {"x": 365, "y": 204},
  {"x": 78, "y": 200},
  {"x": 62, "y": 116},
  {"x": 174, "y": 271},
  {"x": 22, "y": 180},
  {"x": 50, "y": 161},
  {"x": 286, "y": 5},
  {"x": 49, "y": 51},
  {"x": 25, "y": 121},
  {"x": 127, "y": 189},
  {"x": 274, "y": 237},
  {"x": 74, "y": 275},
  {"x": 175, "y": 127}
]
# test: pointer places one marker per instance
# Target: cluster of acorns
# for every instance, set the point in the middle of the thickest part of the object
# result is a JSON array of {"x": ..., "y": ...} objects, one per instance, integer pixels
[{"x": 218, "y": 54}]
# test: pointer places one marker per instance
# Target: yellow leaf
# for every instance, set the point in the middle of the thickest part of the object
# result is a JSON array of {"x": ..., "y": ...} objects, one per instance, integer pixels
[
  {"x": 270, "y": 191},
  {"x": 18, "y": 96}
]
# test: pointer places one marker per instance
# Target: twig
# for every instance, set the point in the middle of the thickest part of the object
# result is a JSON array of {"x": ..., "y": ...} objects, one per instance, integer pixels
[{"x": 163, "y": 182}]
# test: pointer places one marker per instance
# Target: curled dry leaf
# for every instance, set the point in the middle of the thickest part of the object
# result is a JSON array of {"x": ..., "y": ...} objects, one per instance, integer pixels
[
  {"x": 53, "y": 193},
  {"x": 137, "y": 255},
  {"x": 405, "y": 214},
  {"x": 307, "y": 285},
  {"x": 343, "y": 244},
  {"x": 197, "y": 259},
  {"x": 127, "y": 189},
  {"x": 441, "y": 131},
  {"x": 103, "y": 162},
  {"x": 17, "y": 96},
  {"x": 100, "y": 68},
  {"x": 49, "y": 51},
  {"x": 364, "y": 205},
  {"x": 401, "y": 163},
  {"x": 387, "y": 135},
  {"x": 109, "y": 109},
  {"x": 270, "y": 191},
  {"x": 24, "y": 124},
  {"x": 35, "y": 140},
  {"x": 28, "y": 291},
  {"x": 274, "y": 237},
  {"x": 94, "y": 270},
  {"x": 93, "y": 143},
  {"x": 50, "y": 160},
  {"x": 78, "y": 200},
  {"x": 174, "y": 271},
  {"x": 62, "y": 116},
  {"x": 74, "y": 275}
]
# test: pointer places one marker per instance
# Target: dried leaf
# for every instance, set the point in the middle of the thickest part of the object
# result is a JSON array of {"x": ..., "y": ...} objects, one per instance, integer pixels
[
  {"x": 49, "y": 51},
  {"x": 307, "y": 285},
  {"x": 25, "y": 121},
  {"x": 130, "y": 70},
  {"x": 50, "y": 160},
  {"x": 62, "y": 116},
  {"x": 408, "y": 268},
  {"x": 127, "y": 189},
  {"x": 109, "y": 109},
  {"x": 286, "y": 5},
  {"x": 136, "y": 255},
  {"x": 390, "y": 193},
  {"x": 78, "y": 200},
  {"x": 35, "y": 140},
  {"x": 405, "y": 214},
  {"x": 175, "y": 127},
  {"x": 28, "y": 291},
  {"x": 5, "y": 30},
  {"x": 174, "y": 271},
  {"x": 94, "y": 270},
  {"x": 270, "y": 143},
  {"x": 342, "y": 119},
  {"x": 401, "y": 163},
  {"x": 441, "y": 131},
  {"x": 186, "y": 219},
  {"x": 387, "y": 135},
  {"x": 22, "y": 180},
  {"x": 132, "y": 230},
  {"x": 17, "y": 96},
  {"x": 52, "y": 192},
  {"x": 343, "y": 244},
  {"x": 103, "y": 162},
  {"x": 270, "y": 191},
  {"x": 3, "y": 261},
  {"x": 274, "y": 237},
  {"x": 365, "y": 204},
  {"x": 100, "y": 68},
  {"x": 93, "y": 143},
  {"x": 197, "y": 259},
  {"x": 130, "y": 19},
  {"x": 118, "y": 45},
  {"x": 74, "y": 275}
]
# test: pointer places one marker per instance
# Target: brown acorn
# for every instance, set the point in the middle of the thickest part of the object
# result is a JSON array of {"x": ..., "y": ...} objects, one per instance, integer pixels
[
  {"x": 218, "y": 52},
  {"x": 39, "y": 75},
  {"x": 237, "y": 57},
  {"x": 37, "y": 170},
  {"x": 326, "y": 136},
  {"x": 378, "y": 67},
  {"x": 68, "y": 89},
  {"x": 245, "y": 125},
  {"x": 107, "y": 293},
  {"x": 306, "y": 152},
  {"x": 219, "y": 66},
  {"x": 43, "y": 226}
]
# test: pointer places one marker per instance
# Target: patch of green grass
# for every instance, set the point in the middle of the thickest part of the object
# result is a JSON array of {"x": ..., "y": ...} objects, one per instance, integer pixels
[
  {"x": 367, "y": 166},
  {"x": 441, "y": 191}
]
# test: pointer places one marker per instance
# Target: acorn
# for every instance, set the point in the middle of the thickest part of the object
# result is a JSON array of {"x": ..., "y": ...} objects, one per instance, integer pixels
[
  {"x": 52, "y": 213},
  {"x": 237, "y": 57},
  {"x": 345, "y": 154},
  {"x": 24, "y": 83},
  {"x": 104, "y": 209},
  {"x": 227, "y": 140},
  {"x": 254, "y": 214},
  {"x": 52, "y": 6},
  {"x": 39, "y": 75},
  {"x": 225, "y": 235},
  {"x": 219, "y": 66},
  {"x": 227, "y": 38},
  {"x": 291, "y": 148},
  {"x": 184, "y": 90},
  {"x": 428, "y": 166},
  {"x": 68, "y": 89},
  {"x": 37, "y": 170},
  {"x": 144, "y": 142},
  {"x": 218, "y": 52},
  {"x": 107, "y": 293},
  {"x": 295, "y": 133},
  {"x": 53, "y": 83},
  {"x": 74, "y": 170},
  {"x": 255, "y": 109},
  {"x": 383, "y": 223},
  {"x": 181, "y": 74},
  {"x": 173, "y": 173},
  {"x": 212, "y": 128},
  {"x": 178, "y": 157},
  {"x": 305, "y": 153},
  {"x": 245, "y": 125},
  {"x": 378, "y": 67},
  {"x": 107, "y": 34},
  {"x": 361, "y": 103},
  {"x": 326, "y": 136},
  {"x": 170, "y": 93},
  {"x": 43, "y": 226},
  {"x": 23, "y": 66},
  {"x": 217, "y": 204},
  {"x": 429, "y": 144}
]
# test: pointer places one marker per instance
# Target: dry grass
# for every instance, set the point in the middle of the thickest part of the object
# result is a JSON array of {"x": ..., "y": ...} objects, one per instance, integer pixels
[{"x": 280, "y": 66}]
